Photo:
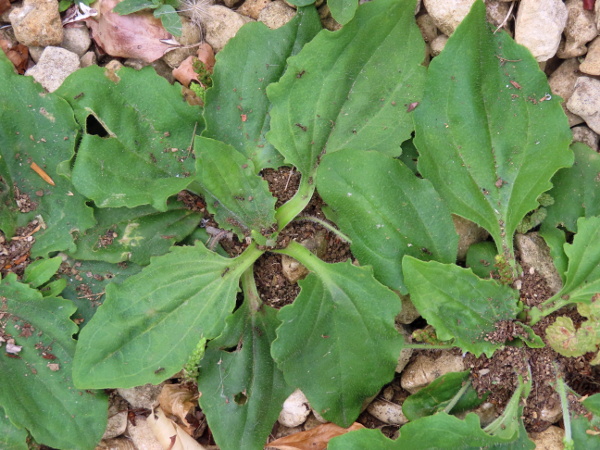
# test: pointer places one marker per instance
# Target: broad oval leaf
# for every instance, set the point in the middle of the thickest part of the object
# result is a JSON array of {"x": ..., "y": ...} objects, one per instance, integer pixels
[
  {"x": 37, "y": 127},
  {"x": 138, "y": 132},
  {"x": 489, "y": 134},
  {"x": 342, "y": 10},
  {"x": 239, "y": 199},
  {"x": 576, "y": 190},
  {"x": 242, "y": 389},
  {"x": 350, "y": 88},
  {"x": 386, "y": 211},
  {"x": 150, "y": 324},
  {"x": 460, "y": 305},
  {"x": 341, "y": 316},
  {"x": 237, "y": 107},
  {"x": 37, "y": 389}
]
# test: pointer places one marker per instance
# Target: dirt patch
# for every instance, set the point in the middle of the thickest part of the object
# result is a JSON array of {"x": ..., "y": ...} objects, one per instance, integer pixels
[{"x": 15, "y": 253}]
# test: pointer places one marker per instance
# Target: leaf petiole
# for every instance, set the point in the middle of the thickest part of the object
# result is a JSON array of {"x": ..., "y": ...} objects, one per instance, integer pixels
[{"x": 289, "y": 210}]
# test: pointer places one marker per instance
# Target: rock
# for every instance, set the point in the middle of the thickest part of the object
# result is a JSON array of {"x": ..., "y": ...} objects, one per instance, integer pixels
[
  {"x": 388, "y": 412},
  {"x": 562, "y": 82},
  {"x": 331, "y": 24},
  {"x": 469, "y": 233},
  {"x": 230, "y": 3},
  {"x": 438, "y": 44},
  {"x": 252, "y": 8},
  {"x": 405, "y": 353},
  {"x": 409, "y": 313},
  {"x": 292, "y": 270},
  {"x": 427, "y": 26},
  {"x": 539, "y": 26},
  {"x": 36, "y": 52},
  {"x": 222, "y": 25},
  {"x": 116, "y": 426},
  {"x": 591, "y": 64},
  {"x": 585, "y": 101},
  {"x": 580, "y": 29},
  {"x": 447, "y": 14},
  {"x": 497, "y": 12},
  {"x": 550, "y": 439},
  {"x": 76, "y": 40},
  {"x": 552, "y": 411},
  {"x": 89, "y": 59},
  {"x": 585, "y": 135},
  {"x": 141, "y": 434},
  {"x": 190, "y": 35},
  {"x": 424, "y": 369},
  {"x": 54, "y": 66},
  {"x": 276, "y": 14},
  {"x": 535, "y": 253},
  {"x": 143, "y": 397},
  {"x": 116, "y": 444},
  {"x": 37, "y": 22},
  {"x": 295, "y": 410}
]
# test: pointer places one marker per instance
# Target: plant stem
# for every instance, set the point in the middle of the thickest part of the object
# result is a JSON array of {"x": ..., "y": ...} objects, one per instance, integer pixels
[
  {"x": 564, "y": 403},
  {"x": 250, "y": 291},
  {"x": 326, "y": 225},
  {"x": 289, "y": 210},
  {"x": 457, "y": 397}
]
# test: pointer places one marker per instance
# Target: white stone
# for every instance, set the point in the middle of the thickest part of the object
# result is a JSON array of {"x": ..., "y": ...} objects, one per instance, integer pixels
[
  {"x": 585, "y": 101},
  {"x": 388, "y": 412},
  {"x": 424, "y": 369},
  {"x": 591, "y": 64},
  {"x": 295, "y": 410},
  {"x": 580, "y": 29},
  {"x": 141, "y": 434},
  {"x": 54, "y": 66},
  {"x": 562, "y": 82},
  {"x": 427, "y": 26},
  {"x": 405, "y": 353},
  {"x": 276, "y": 14},
  {"x": 447, "y": 14},
  {"x": 141, "y": 396},
  {"x": 37, "y": 22},
  {"x": 76, "y": 40},
  {"x": 550, "y": 439},
  {"x": 535, "y": 253},
  {"x": 221, "y": 25},
  {"x": 585, "y": 135},
  {"x": 190, "y": 35},
  {"x": 438, "y": 44},
  {"x": 539, "y": 26}
]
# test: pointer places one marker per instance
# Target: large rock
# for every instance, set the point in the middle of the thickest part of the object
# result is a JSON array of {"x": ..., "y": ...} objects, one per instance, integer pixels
[
  {"x": 37, "y": 23},
  {"x": 447, "y": 14},
  {"x": 222, "y": 25},
  {"x": 591, "y": 64},
  {"x": 580, "y": 29},
  {"x": 562, "y": 82},
  {"x": 54, "y": 66},
  {"x": 539, "y": 26},
  {"x": 585, "y": 101}
]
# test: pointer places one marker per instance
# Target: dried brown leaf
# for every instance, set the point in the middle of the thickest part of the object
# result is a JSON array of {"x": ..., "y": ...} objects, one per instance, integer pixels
[
  {"x": 177, "y": 400},
  {"x": 314, "y": 439}
]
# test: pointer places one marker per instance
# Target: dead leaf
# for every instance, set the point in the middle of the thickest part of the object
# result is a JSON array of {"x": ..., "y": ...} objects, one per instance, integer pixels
[
  {"x": 314, "y": 439},
  {"x": 177, "y": 400},
  {"x": 4, "y": 6},
  {"x": 132, "y": 36},
  {"x": 185, "y": 73},
  {"x": 12, "y": 348},
  {"x": 17, "y": 54},
  {"x": 169, "y": 434},
  {"x": 206, "y": 54}
]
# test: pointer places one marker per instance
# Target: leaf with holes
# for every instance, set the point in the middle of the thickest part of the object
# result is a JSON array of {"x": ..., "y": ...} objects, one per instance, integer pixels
[
  {"x": 350, "y": 88},
  {"x": 242, "y": 388},
  {"x": 489, "y": 135},
  {"x": 37, "y": 142},
  {"x": 253, "y": 59},
  {"x": 337, "y": 341},
  {"x": 37, "y": 389},
  {"x": 132, "y": 152},
  {"x": 149, "y": 325},
  {"x": 386, "y": 211}
]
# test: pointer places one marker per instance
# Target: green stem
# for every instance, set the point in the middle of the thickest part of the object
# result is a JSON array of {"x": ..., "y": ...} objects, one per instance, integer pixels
[
  {"x": 327, "y": 226},
  {"x": 245, "y": 261},
  {"x": 457, "y": 397},
  {"x": 289, "y": 210},
  {"x": 250, "y": 291},
  {"x": 303, "y": 255},
  {"x": 564, "y": 402}
]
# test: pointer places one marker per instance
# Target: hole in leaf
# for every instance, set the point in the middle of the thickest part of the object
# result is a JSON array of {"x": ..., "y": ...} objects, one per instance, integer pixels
[
  {"x": 240, "y": 398},
  {"x": 93, "y": 126},
  {"x": 234, "y": 349}
]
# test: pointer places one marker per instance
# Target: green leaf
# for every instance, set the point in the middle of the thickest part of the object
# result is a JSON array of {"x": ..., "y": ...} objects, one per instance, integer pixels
[
  {"x": 302, "y": 2},
  {"x": 348, "y": 89},
  {"x": 436, "y": 396},
  {"x": 130, "y": 6},
  {"x": 87, "y": 281},
  {"x": 150, "y": 324},
  {"x": 386, "y": 211},
  {"x": 488, "y": 145},
  {"x": 341, "y": 315},
  {"x": 124, "y": 234},
  {"x": 362, "y": 439},
  {"x": 142, "y": 154},
  {"x": 169, "y": 18},
  {"x": 237, "y": 107},
  {"x": 239, "y": 199},
  {"x": 556, "y": 239},
  {"x": 37, "y": 127},
  {"x": 242, "y": 389},
  {"x": 35, "y": 394},
  {"x": 11, "y": 437},
  {"x": 459, "y": 304},
  {"x": 592, "y": 404},
  {"x": 566, "y": 340},
  {"x": 576, "y": 190},
  {"x": 343, "y": 10},
  {"x": 481, "y": 258},
  {"x": 581, "y": 427},
  {"x": 40, "y": 271}
]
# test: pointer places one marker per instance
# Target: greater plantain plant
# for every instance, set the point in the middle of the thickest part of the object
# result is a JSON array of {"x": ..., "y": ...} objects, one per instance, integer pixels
[{"x": 339, "y": 107}]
